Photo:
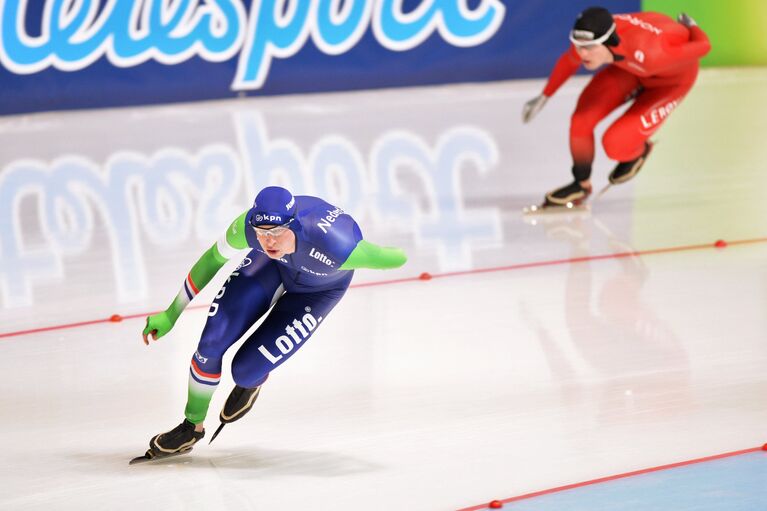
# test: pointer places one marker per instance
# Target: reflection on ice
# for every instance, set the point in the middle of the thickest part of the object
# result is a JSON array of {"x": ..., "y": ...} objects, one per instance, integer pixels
[{"x": 132, "y": 202}]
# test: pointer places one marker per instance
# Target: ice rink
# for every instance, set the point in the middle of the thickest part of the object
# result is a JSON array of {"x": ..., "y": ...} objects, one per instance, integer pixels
[{"x": 543, "y": 352}]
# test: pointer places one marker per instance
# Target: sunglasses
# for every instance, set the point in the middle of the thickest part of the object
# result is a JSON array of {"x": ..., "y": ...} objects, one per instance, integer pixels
[
  {"x": 275, "y": 231},
  {"x": 590, "y": 43}
]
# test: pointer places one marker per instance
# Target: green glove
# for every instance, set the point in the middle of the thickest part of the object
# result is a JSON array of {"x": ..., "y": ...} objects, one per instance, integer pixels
[{"x": 157, "y": 325}]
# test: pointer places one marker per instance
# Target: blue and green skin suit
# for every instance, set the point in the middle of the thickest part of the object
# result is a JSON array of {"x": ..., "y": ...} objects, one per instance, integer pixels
[{"x": 300, "y": 289}]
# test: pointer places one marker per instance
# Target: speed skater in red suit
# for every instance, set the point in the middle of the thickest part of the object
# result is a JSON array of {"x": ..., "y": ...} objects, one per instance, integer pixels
[{"x": 649, "y": 59}]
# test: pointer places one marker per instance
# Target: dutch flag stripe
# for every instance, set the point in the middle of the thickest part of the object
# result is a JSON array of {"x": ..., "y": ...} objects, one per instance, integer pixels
[
  {"x": 191, "y": 284},
  {"x": 199, "y": 373},
  {"x": 201, "y": 381},
  {"x": 188, "y": 292}
]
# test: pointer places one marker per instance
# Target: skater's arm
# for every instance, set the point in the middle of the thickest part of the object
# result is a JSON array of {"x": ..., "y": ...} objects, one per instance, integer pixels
[
  {"x": 216, "y": 256},
  {"x": 198, "y": 277},
  {"x": 695, "y": 48},
  {"x": 698, "y": 44},
  {"x": 675, "y": 52},
  {"x": 370, "y": 255},
  {"x": 565, "y": 67}
]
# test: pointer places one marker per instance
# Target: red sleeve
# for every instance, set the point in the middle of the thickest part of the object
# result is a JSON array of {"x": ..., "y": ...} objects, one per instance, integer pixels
[
  {"x": 696, "y": 47},
  {"x": 565, "y": 67}
]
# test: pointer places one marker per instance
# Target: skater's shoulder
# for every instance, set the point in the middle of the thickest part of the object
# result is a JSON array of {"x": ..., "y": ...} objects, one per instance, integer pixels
[
  {"x": 308, "y": 202},
  {"x": 310, "y": 208},
  {"x": 646, "y": 27},
  {"x": 319, "y": 216},
  {"x": 328, "y": 226}
]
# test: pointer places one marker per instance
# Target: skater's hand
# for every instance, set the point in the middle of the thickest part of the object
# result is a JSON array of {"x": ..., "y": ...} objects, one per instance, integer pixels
[
  {"x": 157, "y": 325},
  {"x": 685, "y": 20},
  {"x": 532, "y": 107}
]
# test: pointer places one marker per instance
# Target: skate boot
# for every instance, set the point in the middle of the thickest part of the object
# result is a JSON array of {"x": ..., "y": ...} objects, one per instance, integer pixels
[
  {"x": 177, "y": 440},
  {"x": 625, "y": 170},
  {"x": 239, "y": 402},
  {"x": 568, "y": 196}
]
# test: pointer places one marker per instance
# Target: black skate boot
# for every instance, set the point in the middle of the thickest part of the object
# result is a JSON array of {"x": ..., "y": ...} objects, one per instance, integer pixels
[
  {"x": 568, "y": 196},
  {"x": 625, "y": 170},
  {"x": 239, "y": 402},
  {"x": 178, "y": 440}
]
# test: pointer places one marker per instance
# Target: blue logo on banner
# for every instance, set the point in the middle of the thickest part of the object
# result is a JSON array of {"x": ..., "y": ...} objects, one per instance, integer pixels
[{"x": 75, "y": 33}]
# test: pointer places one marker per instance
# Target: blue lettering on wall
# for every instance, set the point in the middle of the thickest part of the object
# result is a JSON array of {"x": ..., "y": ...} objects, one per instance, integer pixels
[{"x": 73, "y": 34}]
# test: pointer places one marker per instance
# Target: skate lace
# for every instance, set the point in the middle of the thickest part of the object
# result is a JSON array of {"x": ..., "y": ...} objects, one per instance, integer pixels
[{"x": 181, "y": 428}]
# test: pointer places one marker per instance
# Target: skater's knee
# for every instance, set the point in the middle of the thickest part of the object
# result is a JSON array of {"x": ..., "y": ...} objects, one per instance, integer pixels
[
  {"x": 217, "y": 336},
  {"x": 582, "y": 124},
  {"x": 611, "y": 144},
  {"x": 247, "y": 380},
  {"x": 247, "y": 375},
  {"x": 620, "y": 147},
  {"x": 210, "y": 346}
]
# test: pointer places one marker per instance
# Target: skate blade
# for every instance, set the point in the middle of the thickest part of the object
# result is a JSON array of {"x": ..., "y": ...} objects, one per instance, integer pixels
[
  {"x": 148, "y": 456},
  {"x": 602, "y": 191},
  {"x": 220, "y": 427},
  {"x": 545, "y": 209}
]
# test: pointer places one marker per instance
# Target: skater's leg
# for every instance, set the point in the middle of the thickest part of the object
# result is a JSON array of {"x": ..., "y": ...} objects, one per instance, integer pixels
[
  {"x": 290, "y": 324},
  {"x": 245, "y": 296},
  {"x": 626, "y": 140},
  {"x": 293, "y": 320},
  {"x": 606, "y": 91}
]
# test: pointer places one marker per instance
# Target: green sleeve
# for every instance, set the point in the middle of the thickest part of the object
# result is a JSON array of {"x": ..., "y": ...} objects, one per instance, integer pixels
[
  {"x": 370, "y": 255},
  {"x": 210, "y": 262},
  {"x": 216, "y": 256},
  {"x": 235, "y": 235}
]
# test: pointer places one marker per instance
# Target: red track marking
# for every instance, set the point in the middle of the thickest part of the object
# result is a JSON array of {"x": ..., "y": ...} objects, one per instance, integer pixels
[
  {"x": 521, "y": 266},
  {"x": 613, "y": 478}
]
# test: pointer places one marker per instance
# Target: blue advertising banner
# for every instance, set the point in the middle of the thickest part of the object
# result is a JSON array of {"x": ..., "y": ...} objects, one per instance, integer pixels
[{"x": 62, "y": 54}]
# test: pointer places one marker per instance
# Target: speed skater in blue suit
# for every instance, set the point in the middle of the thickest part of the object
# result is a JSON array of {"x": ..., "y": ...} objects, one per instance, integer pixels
[{"x": 300, "y": 259}]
